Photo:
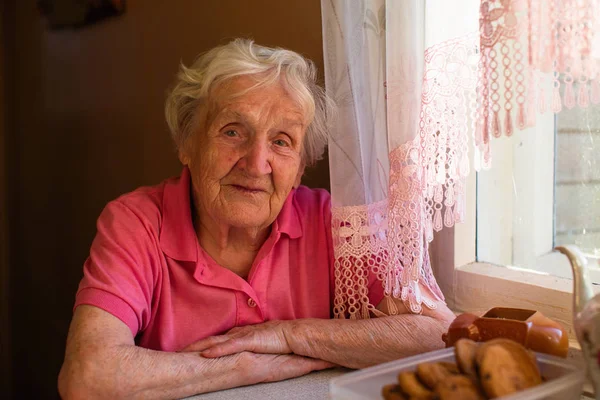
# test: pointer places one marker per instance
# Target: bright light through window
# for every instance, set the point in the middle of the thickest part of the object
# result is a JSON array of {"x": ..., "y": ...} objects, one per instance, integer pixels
[
  {"x": 543, "y": 190},
  {"x": 577, "y": 195}
]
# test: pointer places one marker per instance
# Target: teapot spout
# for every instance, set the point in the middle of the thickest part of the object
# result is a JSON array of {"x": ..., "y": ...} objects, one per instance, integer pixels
[{"x": 582, "y": 286}]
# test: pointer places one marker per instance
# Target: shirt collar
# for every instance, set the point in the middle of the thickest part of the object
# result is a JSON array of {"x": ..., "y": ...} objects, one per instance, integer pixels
[
  {"x": 288, "y": 221},
  {"x": 178, "y": 236}
]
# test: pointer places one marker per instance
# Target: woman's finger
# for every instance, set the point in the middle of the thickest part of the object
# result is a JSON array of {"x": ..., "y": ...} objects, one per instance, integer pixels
[
  {"x": 206, "y": 343},
  {"x": 232, "y": 346}
]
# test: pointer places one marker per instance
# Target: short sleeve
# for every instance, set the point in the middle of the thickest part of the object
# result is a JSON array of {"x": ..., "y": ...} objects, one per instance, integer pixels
[
  {"x": 120, "y": 273},
  {"x": 375, "y": 286}
]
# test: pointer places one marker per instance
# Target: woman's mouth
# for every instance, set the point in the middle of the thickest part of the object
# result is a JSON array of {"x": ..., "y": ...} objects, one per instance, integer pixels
[{"x": 248, "y": 189}]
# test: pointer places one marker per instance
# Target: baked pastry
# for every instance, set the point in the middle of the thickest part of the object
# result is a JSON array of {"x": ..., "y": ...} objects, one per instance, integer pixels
[
  {"x": 505, "y": 367},
  {"x": 412, "y": 387},
  {"x": 433, "y": 373},
  {"x": 465, "y": 351},
  {"x": 488, "y": 370},
  {"x": 458, "y": 387},
  {"x": 392, "y": 392}
]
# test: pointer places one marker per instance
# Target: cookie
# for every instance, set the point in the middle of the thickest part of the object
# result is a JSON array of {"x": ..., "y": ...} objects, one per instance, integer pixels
[
  {"x": 505, "y": 367},
  {"x": 453, "y": 368},
  {"x": 432, "y": 373},
  {"x": 465, "y": 351},
  {"x": 410, "y": 385},
  {"x": 392, "y": 392},
  {"x": 458, "y": 387}
]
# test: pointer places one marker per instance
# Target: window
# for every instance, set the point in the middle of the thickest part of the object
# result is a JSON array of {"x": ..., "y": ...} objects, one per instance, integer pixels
[
  {"x": 518, "y": 211},
  {"x": 577, "y": 190},
  {"x": 543, "y": 190},
  {"x": 544, "y": 186}
]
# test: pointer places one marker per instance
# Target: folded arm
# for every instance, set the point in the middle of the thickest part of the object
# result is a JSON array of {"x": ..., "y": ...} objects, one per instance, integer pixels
[
  {"x": 102, "y": 361},
  {"x": 350, "y": 343},
  {"x": 362, "y": 343}
]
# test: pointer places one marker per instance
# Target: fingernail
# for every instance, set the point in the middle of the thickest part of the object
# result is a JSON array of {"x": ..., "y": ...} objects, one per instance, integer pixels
[{"x": 206, "y": 353}]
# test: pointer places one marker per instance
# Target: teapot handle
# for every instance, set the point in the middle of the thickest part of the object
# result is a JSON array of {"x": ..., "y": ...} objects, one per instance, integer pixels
[{"x": 582, "y": 286}]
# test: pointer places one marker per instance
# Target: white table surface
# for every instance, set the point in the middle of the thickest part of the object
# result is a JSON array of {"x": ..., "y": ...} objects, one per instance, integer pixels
[{"x": 313, "y": 386}]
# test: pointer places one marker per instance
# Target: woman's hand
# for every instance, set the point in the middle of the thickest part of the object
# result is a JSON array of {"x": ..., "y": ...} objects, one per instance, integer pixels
[
  {"x": 269, "y": 337},
  {"x": 277, "y": 367}
]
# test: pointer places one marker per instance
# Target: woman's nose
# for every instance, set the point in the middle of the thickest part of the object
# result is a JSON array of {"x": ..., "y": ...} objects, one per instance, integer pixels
[{"x": 257, "y": 159}]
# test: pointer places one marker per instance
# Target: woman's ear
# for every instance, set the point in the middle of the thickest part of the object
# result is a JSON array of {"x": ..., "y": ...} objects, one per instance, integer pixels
[
  {"x": 183, "y": 156},
  {"x": 299, "y": 175},
  {"x": 185, "y": 150}
]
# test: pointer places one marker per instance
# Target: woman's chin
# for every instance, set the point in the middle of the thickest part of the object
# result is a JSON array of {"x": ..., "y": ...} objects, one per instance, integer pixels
[{"x": 247, "y": 216}]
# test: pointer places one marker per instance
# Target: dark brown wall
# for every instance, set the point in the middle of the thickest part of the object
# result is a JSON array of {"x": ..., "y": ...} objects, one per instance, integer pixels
[
  {"x": 5, "y": 376},
  {"x": 88, "y": 117}
]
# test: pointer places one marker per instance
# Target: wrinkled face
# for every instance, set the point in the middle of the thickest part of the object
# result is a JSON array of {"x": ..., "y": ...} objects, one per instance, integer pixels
[{"x": 245, "y": 156}]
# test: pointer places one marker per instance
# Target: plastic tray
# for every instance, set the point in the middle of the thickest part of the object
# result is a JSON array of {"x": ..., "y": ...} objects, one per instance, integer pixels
[{"x": 564, "y": 380}]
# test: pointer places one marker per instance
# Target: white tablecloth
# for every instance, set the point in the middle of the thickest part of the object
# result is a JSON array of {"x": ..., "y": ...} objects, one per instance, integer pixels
[{"x": 314, "y": 386}]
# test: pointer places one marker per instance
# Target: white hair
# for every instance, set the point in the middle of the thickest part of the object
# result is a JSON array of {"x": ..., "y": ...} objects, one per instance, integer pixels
[{"x": 244, "y": 57}]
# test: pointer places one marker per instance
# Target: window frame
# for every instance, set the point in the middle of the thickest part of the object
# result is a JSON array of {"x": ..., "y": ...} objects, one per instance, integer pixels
[{"x": 473, "y": 286}]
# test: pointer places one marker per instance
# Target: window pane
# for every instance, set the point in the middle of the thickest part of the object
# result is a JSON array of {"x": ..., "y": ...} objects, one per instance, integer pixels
[
  {"x": 515, "y": 198},
  {"x": 543, "y": 190},
  {"x": 578, "y": 179}
]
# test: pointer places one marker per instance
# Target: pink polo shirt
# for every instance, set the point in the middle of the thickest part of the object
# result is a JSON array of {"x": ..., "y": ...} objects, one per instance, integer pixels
[{"x": 147, "y": 268}]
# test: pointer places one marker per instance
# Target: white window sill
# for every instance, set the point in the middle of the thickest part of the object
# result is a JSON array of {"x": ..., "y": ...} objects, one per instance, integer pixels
[{"x": 557, "y": 264}]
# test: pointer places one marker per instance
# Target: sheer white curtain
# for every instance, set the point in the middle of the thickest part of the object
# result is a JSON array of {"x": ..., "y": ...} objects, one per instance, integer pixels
[
  {"x": 404, "y": 75},
  {"x": 414, "y": 81}
]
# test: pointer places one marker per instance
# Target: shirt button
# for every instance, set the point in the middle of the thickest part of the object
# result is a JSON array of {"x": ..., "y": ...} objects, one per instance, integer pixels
[{"x": 251, "y": 302}]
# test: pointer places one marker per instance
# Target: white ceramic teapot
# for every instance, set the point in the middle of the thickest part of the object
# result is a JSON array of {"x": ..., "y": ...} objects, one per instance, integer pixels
[{"x": 586, "y": 313}]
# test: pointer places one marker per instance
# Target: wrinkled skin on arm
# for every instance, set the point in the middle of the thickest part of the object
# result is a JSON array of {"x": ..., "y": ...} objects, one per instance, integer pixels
[
  {"x": 349, "y": 343},
  {"x": 102, "y": 361}
]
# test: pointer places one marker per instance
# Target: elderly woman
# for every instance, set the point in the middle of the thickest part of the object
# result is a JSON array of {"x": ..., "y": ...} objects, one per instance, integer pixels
[{"x": 223, "y": 276}]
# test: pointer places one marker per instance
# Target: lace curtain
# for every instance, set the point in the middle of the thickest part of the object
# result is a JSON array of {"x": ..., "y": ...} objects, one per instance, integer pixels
[
  {"x": 414, "y": 82},
  {"x": 402, "y": 74},
  {"x": 534, "y": 55}
]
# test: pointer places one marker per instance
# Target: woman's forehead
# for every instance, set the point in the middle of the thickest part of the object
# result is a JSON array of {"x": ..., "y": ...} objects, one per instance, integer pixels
[
  {"x": 240, "y": 97},
  {"x": 245, "y": 112}
]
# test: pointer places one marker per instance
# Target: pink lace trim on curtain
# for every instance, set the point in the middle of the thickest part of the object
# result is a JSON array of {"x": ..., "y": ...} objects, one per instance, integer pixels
[
  {"x": 521, "y": 41},
  {"x": 426, "y": 192},
  {"x": 493, "y": 82}
]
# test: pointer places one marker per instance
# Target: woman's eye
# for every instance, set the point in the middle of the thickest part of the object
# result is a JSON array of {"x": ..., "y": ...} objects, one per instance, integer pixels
[
  {"x": 281, "y": 143},
  {"x": 230, "y": 133}
]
